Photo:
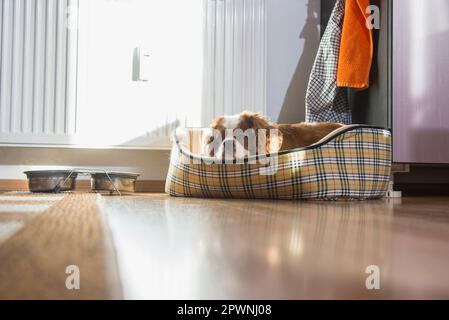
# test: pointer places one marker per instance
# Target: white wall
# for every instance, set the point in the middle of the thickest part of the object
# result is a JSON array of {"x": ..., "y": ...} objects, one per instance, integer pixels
[
  {"x": 152, "y": 165},
  {"x": 293, "y": 39}
]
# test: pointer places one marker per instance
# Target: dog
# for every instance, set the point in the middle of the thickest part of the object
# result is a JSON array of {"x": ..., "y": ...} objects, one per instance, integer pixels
[{"x": 274, "y": 137}]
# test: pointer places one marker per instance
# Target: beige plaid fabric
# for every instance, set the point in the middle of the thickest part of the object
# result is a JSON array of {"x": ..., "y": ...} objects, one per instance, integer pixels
[{"x": 351, "y": 163}]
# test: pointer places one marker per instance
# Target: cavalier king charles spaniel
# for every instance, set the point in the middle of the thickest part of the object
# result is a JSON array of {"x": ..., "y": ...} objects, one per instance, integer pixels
[{"x": 251, "y": 133}]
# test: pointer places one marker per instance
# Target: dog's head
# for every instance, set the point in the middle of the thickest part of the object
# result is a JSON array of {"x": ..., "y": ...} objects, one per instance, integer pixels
[{"x": 241, "y": 128}]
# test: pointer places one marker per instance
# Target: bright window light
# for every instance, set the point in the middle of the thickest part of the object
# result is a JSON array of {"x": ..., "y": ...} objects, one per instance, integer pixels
[{"x": 113, "y": 107}]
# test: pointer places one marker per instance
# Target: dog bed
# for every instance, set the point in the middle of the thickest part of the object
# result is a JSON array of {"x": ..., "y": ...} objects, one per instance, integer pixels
[{"x": 353, "y": 162}]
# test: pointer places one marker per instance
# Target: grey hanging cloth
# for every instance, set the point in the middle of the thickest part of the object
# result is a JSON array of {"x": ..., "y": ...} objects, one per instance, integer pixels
[{"x": 324, "y": 100}]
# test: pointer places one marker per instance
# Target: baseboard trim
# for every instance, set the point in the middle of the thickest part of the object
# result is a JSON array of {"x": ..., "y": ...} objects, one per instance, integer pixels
[
  {"x": 143, "y": 186},
  {"x": 400, "y": 168},
  {"x": 13, "y": 185}
]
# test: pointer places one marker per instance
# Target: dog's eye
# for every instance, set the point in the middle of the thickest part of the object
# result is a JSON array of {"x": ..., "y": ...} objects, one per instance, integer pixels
[{"x": 210, "y": 140}]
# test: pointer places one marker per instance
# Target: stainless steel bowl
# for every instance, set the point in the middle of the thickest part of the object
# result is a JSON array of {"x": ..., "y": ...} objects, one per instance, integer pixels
[
  {"x": 123, "y": 182},
  {"x": 51, "y": 180}
]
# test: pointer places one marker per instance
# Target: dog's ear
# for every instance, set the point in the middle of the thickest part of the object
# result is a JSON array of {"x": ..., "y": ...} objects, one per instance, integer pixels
[
  {"x": 253, "y": 120},
  {"x": 217, "y": 123}
]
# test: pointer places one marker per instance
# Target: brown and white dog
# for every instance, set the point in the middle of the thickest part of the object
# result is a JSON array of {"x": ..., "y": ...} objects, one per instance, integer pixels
[{"x": 285, "y": 137}]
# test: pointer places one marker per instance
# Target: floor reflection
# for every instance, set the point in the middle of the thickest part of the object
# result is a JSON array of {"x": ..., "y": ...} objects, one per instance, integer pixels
[
  {"x": 218, "y": 249},
  {"x": 17, "y": 207},
  {"x": 9, "y": 228}
]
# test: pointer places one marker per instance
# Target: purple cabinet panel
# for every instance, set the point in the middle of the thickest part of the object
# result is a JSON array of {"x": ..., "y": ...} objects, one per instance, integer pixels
[{"x": 421, "y": 81}]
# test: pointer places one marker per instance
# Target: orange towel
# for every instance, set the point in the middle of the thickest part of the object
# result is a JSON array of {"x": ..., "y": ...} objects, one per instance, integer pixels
[{"x": 356, "y": 49}]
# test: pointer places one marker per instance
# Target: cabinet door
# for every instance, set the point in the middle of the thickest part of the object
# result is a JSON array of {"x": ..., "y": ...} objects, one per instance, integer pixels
[{"x": 421, "y": 81}]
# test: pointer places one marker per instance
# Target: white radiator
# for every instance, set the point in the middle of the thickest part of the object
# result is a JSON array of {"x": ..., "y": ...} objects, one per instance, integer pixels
[
  {"x": 235, "y": 76},
  {"x": 38, "y": 84}
]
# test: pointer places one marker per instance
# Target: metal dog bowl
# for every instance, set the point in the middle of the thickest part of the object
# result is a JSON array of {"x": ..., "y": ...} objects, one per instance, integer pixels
[
  {"x": 51, "y": 180},
  {"x": 114, "y": 181}
]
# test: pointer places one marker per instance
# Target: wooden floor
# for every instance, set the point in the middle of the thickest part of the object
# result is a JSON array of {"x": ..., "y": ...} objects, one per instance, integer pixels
[{"x": 156, "y": 247}]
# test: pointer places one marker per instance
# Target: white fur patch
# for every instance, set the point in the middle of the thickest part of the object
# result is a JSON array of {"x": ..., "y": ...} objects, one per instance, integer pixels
[{"x": 231, "y": 122}]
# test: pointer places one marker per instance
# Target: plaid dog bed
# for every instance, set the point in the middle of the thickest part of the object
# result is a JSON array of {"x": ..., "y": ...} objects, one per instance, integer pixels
[{"x": 352, "y": 163}]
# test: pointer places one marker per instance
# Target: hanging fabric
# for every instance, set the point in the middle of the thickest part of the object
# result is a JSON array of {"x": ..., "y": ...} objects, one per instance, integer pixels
[
  {"x": 356, "y": 49},
  {"x": 324, "y": 100}
]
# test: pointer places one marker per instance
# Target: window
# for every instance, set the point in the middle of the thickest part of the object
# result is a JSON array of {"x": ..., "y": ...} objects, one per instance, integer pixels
[
  {"x": 69, "y": 78},
  {"x": 129, "y": 112},
  {"x": 68, "y": 69}
]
